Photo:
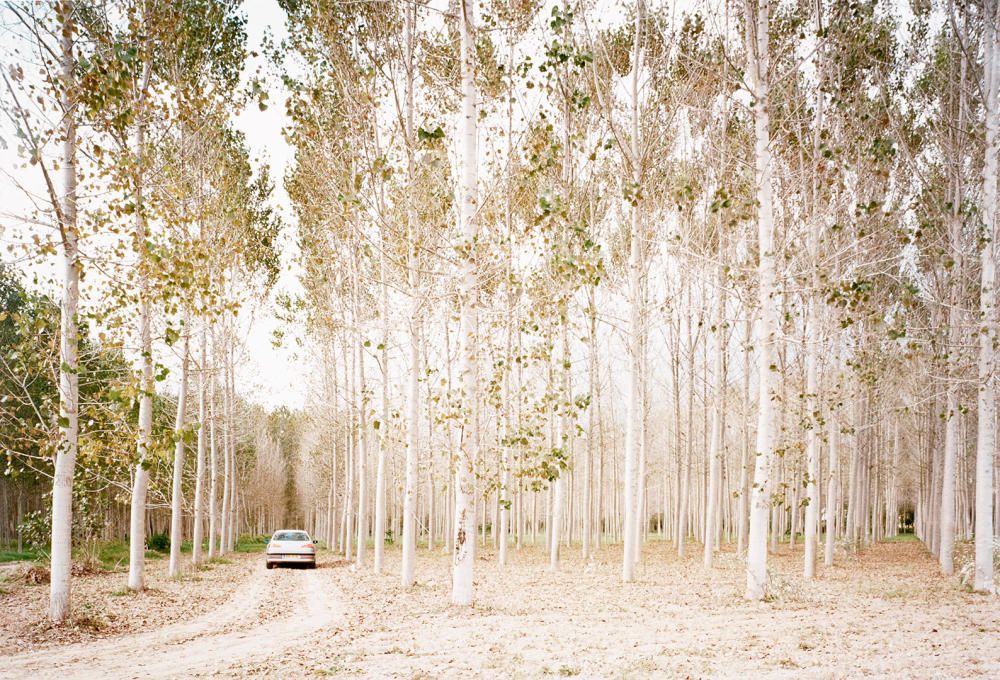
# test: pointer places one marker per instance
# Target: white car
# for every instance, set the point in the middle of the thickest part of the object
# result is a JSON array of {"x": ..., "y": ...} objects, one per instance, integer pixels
[{"x": 290, "y": 546}]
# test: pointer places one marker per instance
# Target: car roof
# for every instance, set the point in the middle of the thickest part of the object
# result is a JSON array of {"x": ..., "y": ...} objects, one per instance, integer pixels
[{"x": 280, "y": 531}]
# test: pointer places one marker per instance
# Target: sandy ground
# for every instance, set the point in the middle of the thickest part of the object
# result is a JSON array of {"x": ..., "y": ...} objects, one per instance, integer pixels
[
  {"x": 265, "y": 611},
  {"x": 103, "y": 607},
  {"x": 884, "y": 613}
]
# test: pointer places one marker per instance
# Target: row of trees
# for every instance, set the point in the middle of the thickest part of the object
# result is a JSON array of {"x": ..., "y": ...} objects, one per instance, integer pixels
[
  {"x": 724, "y": 273},
  {"x": 164, "y": 230}
]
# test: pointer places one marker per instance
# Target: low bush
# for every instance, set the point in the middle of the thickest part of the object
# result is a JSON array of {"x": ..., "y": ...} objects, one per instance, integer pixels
[{"x": 159, "y": 542}]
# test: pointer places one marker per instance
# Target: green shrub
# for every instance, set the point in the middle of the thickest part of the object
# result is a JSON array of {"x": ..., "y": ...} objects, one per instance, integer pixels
[
  {"x": 36, "y": 529},
  {"x": 159, "y": 542}
]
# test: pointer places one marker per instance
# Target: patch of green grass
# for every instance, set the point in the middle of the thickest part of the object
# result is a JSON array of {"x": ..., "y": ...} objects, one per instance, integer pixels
[
  {"x": 22, "y": 556},
  {"x": 188, "y": 547},
  {"x": 251, "y": 544},
  {"x": 900, "y": 538},
  {"x": 124, "y": 592},
  {"x": 114, "y": 555}
]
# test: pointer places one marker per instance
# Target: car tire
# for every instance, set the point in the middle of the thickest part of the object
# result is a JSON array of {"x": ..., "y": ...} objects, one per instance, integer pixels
[{"x": 270, "y": 565}]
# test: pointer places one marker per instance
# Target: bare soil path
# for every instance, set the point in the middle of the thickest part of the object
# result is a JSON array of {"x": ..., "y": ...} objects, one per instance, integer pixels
[
  {"x": 885, "y": 612},
  {"x": 270, "y": 611}
]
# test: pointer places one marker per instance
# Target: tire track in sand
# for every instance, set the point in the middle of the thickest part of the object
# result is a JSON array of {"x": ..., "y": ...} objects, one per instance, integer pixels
[{"x": 211, "y": 642}]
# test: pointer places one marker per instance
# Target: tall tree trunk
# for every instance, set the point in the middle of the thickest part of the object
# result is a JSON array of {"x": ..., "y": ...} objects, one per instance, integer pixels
[
  {"x": 362, "y": 451},
  {"x": 350, "y": 434},
  {"x": 333, "y": 536},
  {"x": 832, "y": 491},
  {"x": 744, "y": 500},
  {"x": 234, "y": 527},
  {"x": 565, "y": 439},
  {"x": 946, "y": 540},
  {"x": 378, "y": 530},
  {"x": 140, "y": 482},
  {"x": 199, "y": 474},
  {"x": 588, "y": 509},
  {"x": 213, "y": 463},
  {"x": 633, "y": 417},
  {"x": 715, "y": 450},
  {"x": 465, "y": 509},
  {"x": 176, "y": 490},
  {"x": 504, "y": 499},
  {"x": 408, "y": 570},
  {"x": 813, "y": 340},
  {"x": 227, "y": 472},
  {"x": 986, "y": 440},
  {"x": 505, "y": 477},
  {"x": 767, "y": 328},
  {"x": 69, "y": 399}
]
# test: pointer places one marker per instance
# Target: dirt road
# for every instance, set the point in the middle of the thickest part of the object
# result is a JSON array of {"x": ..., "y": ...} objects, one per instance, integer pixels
[
  {"x": 271, "y": 611},
  {"x": 884, "y": 612}
]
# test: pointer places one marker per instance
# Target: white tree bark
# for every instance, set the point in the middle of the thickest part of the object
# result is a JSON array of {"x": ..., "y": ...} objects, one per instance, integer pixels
[
  {"x": 213, "y": 465},
  {"x": 832, "y": 491},
  {"x": 715, "y": 451},
  {"x": 813, "y": 344},
  {"x": 767, "y": 322},
  {"x": 565, "y": 441},
  {"x": 140, "y": 482},
  {"x": 408, "y": 571},
  {"x": 378, "y": 530},
  {"x": 555, "y": 521},
  {"x": 232, "y": 535},
  {"x": 742, "y": 508},
  {"x": 409, "y": 558},
  {"x": 69, "y": 400},
  {"x": 505, "y": 477},
  {"x": 224, "y": 511},
  {"x": 588, "y": 510},
  {"x": 952, "y": 443},
  {"x": 633, "y": 417},
  {"x": 812, "y": 436},
  {"x": 986, "y": 440},
  {"x": 465, "y": 508},
  {"x": 176, "y": 491},
  {"x": 946, "y": 540},
  {"x": 362, "y": 451},
  {"x": 199, "y": 473}
]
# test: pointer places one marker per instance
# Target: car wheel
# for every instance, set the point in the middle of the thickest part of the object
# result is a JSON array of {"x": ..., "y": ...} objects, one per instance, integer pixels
[{"x": 270, "y": 565}]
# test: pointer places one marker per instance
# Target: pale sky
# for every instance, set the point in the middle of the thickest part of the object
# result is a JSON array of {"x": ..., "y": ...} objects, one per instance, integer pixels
[{"x": 271, "y": 376}]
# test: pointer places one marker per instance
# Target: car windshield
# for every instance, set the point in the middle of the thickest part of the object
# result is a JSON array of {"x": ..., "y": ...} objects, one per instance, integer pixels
[{"x": 291, "y": 536}]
